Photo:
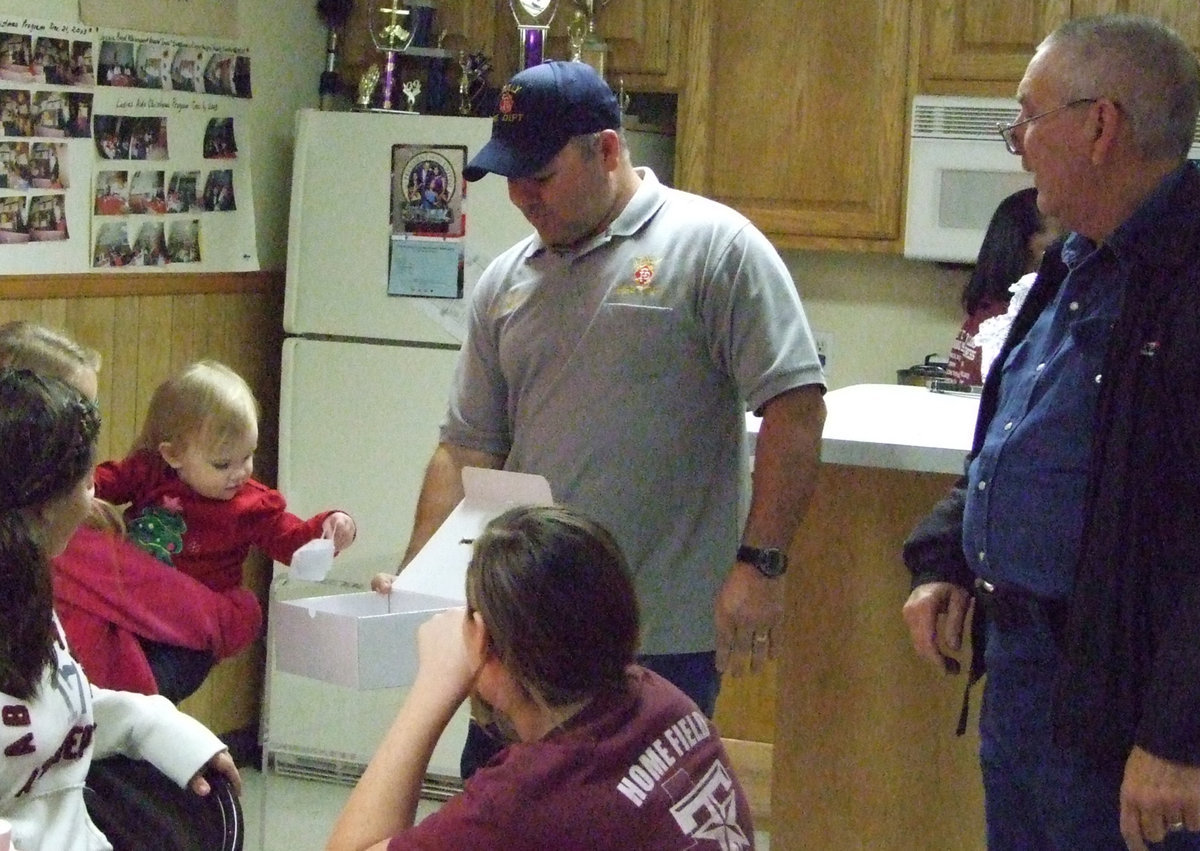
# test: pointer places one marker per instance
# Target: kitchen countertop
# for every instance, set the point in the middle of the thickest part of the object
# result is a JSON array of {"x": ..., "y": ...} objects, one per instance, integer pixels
[{"x": 896, "y": 427}]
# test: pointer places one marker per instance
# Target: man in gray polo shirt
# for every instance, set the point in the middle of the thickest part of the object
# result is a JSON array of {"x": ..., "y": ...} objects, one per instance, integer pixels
[{"x": 615, "y": 352}]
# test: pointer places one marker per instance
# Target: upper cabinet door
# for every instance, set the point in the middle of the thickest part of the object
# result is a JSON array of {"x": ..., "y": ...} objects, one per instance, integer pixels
[
  {"x": 1181, "y": 15},
  {"x": 969, "y": 44},
  {"x": 644, "y": 39},
  {"x": 793, "y": 111},
  {"x": 982, "y": 46}
]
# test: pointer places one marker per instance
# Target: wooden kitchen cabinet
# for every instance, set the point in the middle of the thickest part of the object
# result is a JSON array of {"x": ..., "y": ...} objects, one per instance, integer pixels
[
  {"x": 793, "y": 112},
  {"x": 644, "y": 37},
  {"x": 981, "y": 47}
]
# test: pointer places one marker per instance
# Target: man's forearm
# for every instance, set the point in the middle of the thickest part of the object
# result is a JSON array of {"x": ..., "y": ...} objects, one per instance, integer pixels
[
  {"x": 786, "y": 458},
  {"x": 442, "y": 490}
]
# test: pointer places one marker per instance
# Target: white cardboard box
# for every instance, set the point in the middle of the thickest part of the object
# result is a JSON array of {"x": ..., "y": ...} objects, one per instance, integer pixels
[{"x": 369, "y": 641}]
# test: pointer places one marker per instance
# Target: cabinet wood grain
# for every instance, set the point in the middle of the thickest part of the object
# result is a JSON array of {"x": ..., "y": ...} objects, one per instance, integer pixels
[
  {"x": 865, "y": 754},
  {"x": 794, "y": 115}
]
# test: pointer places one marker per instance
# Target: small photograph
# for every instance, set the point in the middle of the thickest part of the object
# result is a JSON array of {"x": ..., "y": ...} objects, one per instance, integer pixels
[
  {"x": 15, "y": 171},
  {"x": 227, "y": 74},
  {"x": 147, "y": 138},
  {"x": 48, "y": 165},
  {"x": 183, "y": 192},
  {"x": 147, "y": 193},
  {"x": 183, "y": 241},
  {"x": 13, "y": 227},
  {"x": 16, "y": 59},
  {"x": 111, "y": 135},
  {"x": 150, "y": 246},
  {"x": 83, "y": 64},
  {"x": 116, "y": 64},
  {"x": 51, "y": 114},
  {"x": 218, "y": 191},
  {"x": 47, "y": 218},
  {"x": 152, "y": 66},
  {"x": 187, "y": 69},
  {"x": 219, "y": 143},
  {"x": 15, "y": 112},
  {"x": 79, "y": 115},
  {"x": 112, "y": 246},
  {"x": 112, "y": 193},
  {"x": 54, "y": 57},
  {"x": 425, "y": 199}
]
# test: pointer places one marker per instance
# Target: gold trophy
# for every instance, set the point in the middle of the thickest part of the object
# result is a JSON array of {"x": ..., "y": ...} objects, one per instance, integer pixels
[{"x": 586, "y": 44}]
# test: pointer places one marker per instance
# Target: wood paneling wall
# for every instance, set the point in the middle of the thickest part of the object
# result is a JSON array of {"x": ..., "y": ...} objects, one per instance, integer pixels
[{"x": 145, "y": 327}]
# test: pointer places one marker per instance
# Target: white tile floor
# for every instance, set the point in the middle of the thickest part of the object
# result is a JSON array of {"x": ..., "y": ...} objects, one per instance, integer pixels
[{"x": 298, "y": 814}]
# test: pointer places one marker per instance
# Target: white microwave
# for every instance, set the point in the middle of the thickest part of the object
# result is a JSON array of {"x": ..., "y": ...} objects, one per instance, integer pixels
[{"x": 958, "y": 173}]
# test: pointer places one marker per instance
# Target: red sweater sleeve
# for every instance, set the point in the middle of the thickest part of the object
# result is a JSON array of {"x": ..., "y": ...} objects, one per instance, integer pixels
[
  {"x": 117, "y": 583},
  {"x": 274, "y": 529}
]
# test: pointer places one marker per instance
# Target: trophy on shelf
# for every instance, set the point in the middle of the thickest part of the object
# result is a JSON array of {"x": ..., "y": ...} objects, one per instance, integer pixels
[
  {"x": 533, "y": 20},
  {"x": 366, "y": 86},
  {"x": 391, "y": 34},
  {"x": 586, "y": 44},
  {"x": 473, "y": 82}
]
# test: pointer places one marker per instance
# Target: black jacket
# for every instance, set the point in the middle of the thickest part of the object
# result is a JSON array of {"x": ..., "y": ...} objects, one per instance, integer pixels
[{"x": 1132, "y": 639}]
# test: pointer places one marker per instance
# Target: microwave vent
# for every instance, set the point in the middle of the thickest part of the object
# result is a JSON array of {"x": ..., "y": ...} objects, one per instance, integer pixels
[{"x": 966, "y": 118}]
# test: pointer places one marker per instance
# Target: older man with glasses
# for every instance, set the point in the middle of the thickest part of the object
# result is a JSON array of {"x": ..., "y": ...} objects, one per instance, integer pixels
[{"x": 1076, "y": 528}]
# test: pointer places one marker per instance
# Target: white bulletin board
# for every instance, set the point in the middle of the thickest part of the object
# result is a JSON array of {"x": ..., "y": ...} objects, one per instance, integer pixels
[
  {"x": 122, "y": 150},
  {"x": 213, "y": 18}
]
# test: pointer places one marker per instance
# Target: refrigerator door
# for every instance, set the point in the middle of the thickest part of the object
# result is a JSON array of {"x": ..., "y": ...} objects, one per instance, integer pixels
[
  {"x": 357, "y": 425},
  {"x": 339, "y": 228}
]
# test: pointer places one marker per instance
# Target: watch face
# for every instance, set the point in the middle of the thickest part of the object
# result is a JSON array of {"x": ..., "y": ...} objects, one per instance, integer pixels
[
  {"x": 768, "y": 562},
  {"x": 772, "y": 563}
]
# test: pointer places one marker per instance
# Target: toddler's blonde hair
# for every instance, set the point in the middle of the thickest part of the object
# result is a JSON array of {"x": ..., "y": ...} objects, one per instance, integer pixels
[
  {"x": 27, "y": 345},
  {"x": 205, "y": 404}
]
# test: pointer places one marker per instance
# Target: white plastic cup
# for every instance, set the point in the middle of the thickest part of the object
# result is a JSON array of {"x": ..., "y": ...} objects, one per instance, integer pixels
[{"x": 313, "y": 561}]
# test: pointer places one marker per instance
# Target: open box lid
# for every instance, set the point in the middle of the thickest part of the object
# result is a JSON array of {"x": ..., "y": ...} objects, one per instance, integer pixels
[{"x": 440, "y": 568}]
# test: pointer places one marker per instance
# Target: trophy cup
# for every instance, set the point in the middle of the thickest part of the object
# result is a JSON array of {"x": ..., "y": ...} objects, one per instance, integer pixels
[
  {"x": 586, "y": 44},
  {"x": 366, "y": 86},
  {"x": 391, "y": 36},
  {"x": 472, "y": 82},
  {"x": 533, "y": 20}
]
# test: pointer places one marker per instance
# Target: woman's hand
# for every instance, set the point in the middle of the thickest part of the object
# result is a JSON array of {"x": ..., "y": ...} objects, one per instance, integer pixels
[
  {"x": 222, "y": 763},
  {"x": 444, "y": 663}
]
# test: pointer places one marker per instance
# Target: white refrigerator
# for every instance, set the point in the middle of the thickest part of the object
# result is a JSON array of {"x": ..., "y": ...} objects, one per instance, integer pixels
[{"x": 366, "y": 374}]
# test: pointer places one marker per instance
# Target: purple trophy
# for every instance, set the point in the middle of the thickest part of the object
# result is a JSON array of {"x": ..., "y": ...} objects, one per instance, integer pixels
[
  {"x": 391, "y": 34},
  {"x": 533, "y": 20}
]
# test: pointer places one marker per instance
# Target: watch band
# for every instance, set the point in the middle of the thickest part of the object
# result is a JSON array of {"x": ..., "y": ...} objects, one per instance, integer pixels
[{"x": 770, "y": 562}]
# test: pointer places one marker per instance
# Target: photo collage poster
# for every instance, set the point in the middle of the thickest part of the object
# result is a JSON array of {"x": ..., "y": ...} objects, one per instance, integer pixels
[{"x": 122, "y": 151}]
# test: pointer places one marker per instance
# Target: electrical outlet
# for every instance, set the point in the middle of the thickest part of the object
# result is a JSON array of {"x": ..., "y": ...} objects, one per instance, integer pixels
[{"x": 824, "y": 341}]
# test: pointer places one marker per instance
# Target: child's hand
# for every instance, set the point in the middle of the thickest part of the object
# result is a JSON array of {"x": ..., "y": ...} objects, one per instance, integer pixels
[
  {"x": 382, "y": 582},
  {"x": 340, "y": 527}
]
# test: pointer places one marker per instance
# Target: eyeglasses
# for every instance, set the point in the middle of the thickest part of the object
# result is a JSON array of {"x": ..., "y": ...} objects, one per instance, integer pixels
[{"x": 1006, "y": 130}]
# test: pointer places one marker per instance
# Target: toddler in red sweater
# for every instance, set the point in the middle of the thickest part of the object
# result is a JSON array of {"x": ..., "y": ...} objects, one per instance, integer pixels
[{"x": 192, "y": 502}]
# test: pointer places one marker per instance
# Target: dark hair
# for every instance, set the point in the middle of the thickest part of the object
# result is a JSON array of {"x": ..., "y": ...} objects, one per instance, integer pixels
[
  {"x": 555, "y": 594},
  {"x": 1004, "y": 254},
  {"x": 47, "y": 442}
]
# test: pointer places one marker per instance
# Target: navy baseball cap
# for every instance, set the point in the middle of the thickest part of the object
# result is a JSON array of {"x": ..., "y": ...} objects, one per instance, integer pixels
[{"x": 540, "y": 109}]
